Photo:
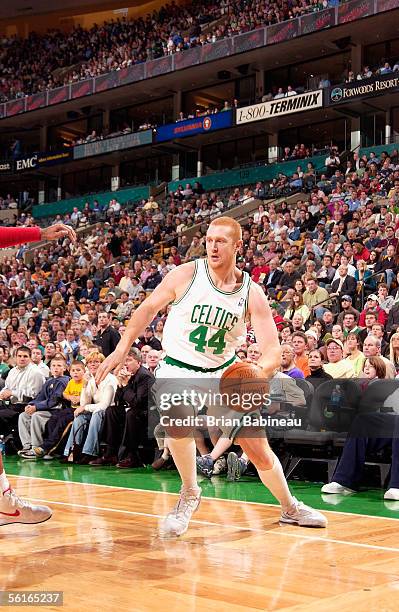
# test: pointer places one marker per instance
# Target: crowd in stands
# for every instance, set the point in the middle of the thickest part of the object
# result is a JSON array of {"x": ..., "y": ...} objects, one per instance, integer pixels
[
  {"x": 384, "y": 67},
  {"x": 41, "y": 62},
  {"x": 329, "y": 264}
]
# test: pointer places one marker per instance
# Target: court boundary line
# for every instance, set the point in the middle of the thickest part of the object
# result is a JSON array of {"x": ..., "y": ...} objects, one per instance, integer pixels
[
  {"x": 233, "y": 501},
  {"x": 229, "y": 526}
]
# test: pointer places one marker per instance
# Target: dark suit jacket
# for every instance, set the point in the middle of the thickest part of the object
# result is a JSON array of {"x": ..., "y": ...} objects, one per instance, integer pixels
[
  {"x": 275, "y": 280},
  {"x": 348, "y": 286},
  {"x": 136, "y": 393}
]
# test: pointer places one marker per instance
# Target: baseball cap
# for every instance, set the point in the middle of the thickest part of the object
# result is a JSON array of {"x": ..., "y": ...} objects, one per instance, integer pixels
[
  {"x": 321, "y": 222},
  {"x": 111, "y": 293},
  {"x": 84, "y": 318},
  {"x": 312, "y": 333},
  {"x": 347, "y": 298},
  {"x": 35, "y": 309},
  {"x": 372, "y": 296},
  {"x": 336, "y": 342}
]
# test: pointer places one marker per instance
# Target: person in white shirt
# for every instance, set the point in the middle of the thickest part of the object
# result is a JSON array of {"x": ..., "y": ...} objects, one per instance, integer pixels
[
  {"x": 25, "y": 380},
  {"x": 23, "y": 383},
  {"x": 37, "y": 359},
  {"x": 94, "y": 400}
]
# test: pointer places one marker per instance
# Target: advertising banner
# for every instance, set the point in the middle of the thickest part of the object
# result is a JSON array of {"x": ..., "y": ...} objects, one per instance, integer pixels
[
  {"x": 189, "y": 58},
  {"x": 355, "y": 10},
  {"x": 36, "y": 101},
  {"x": 249, "y": 40},
  {"x": 190, "y": 127},
  {"x": 280, "y": 32},
  {"x": 159, "y": 66},
  {"x": 83, "y": 88},
  {"x": 41, "y": 160},
  {"x": 15, "y": 107},
  {"x": 106, "y": 81},
  {"x": 357, "y": 90},
  {"x": 6, "y": 167},
  {"x": 217, "y": 50},
  {"x": 317, "y": 21},
  {"x": 61, "y": 94},
  {"x": 131, "y": 74},
  {"x": 282, "y": 106},
  {"x": 117, "y": 143}
]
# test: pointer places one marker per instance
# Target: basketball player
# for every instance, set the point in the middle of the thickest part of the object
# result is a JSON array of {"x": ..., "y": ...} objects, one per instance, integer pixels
[
  {"x": 211, "y": 299},
  {"x": 12, "y": 508}
]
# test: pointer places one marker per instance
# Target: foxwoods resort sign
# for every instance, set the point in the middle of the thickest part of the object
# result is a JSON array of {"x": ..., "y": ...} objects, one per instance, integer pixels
[{"x": 362, "y": 89}]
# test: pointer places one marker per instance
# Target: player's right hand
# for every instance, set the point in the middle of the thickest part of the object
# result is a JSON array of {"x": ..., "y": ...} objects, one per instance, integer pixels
[{"x": 114, "y": 361}]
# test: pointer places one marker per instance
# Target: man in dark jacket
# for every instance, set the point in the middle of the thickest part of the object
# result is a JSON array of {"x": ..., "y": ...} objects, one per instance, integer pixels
[
  {"x": 344, "y": 284},
  {"x": 153, "y": 280},
  {"x": 289, "y": 276},
  {"x": 149, "y": 339},
  {"x": 107, "y": 337},
  {"x": 125, "y": 423}
]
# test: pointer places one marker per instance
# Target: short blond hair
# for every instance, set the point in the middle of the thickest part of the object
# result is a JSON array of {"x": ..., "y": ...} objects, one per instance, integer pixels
[
  {"x": 232, "y": 224},
  {"x": 95, "y": 355}
]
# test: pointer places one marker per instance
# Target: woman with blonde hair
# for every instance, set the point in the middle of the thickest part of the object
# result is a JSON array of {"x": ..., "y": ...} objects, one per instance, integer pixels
[
  {"x": 57, "y": 300},
  {"x": 89, "y": 416},
  {"x": 394, "y": 351},
  {"x": 362, "y": 276}
]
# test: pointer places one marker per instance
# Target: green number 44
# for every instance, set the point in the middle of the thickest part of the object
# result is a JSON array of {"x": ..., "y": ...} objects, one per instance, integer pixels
[{"x": 216, "y": 342}]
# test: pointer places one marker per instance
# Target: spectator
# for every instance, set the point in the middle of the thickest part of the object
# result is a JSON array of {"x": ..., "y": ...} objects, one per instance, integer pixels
[
  {"x": 32, "y": 422},
  {"x": 317, "y": 373},
  {"x": 288, "y": 362},
  {"x": 299, "y": 342},
  {"x": 58, "y": 423},
  {"x": 89, "y": 415},
  {"x": 107, "y": 337},
  {"x": 125, "y": 422},
  {"x": 337, "y": 366},
  {"x": 24, "y": 382}
]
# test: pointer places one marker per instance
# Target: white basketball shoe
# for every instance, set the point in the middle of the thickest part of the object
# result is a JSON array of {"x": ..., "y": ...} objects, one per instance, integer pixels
[{"x": 13, "y": 509}]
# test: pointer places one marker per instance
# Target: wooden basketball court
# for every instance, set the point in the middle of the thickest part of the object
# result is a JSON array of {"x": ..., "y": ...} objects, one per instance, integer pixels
[{"x": 102, "y": 550}]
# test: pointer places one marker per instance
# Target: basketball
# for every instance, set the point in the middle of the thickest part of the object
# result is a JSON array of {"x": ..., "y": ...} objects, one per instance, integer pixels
[{"x": 245, "y": 386}]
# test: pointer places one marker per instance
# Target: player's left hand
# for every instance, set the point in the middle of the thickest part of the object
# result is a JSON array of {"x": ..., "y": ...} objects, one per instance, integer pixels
[{"x": 30, "y": 409}]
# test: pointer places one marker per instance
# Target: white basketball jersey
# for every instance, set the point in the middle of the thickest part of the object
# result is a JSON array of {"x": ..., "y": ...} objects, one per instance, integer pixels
[{"x": 206, "y": 325}]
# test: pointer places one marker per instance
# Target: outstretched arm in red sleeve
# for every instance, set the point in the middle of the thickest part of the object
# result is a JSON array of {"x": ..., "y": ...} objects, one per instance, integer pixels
[{"x": 11, "y": 236}]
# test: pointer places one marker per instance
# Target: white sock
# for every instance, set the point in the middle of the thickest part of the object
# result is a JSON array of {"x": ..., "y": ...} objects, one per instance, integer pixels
[
  {"x": 4, "y": 484},
  {"x": 184, "y": 455},
  {"x": 276, "y": 482},
  {"x": 165, "y": 453}
]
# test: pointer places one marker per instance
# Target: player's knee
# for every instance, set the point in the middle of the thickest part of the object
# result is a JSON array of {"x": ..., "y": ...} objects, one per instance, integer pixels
[{"x": 264, "y": 461}]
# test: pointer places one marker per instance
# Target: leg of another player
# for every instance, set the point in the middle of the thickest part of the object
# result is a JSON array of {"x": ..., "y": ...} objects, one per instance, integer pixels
[
  {"x": 271, "y": 474},
  {"x": 15, "y": 510}
]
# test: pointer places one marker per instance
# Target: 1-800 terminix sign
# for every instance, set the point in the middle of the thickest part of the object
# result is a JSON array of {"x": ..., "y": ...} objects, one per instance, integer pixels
[{"x": 283, "y": 106}]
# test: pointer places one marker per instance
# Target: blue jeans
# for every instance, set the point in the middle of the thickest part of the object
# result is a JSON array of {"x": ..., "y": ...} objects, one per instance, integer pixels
[
  {"x": 90, "y": 422},
  {"x": 390, "y": 277}
]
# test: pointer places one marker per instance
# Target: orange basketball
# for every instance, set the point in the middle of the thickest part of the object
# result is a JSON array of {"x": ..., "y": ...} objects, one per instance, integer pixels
[{"x": 244, "y": 386}]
